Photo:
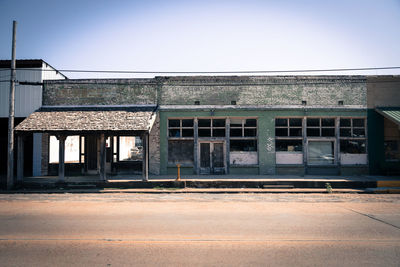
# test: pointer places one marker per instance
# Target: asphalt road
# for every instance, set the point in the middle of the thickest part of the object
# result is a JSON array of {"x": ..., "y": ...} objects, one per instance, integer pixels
[{"x": 199, "y": 230}]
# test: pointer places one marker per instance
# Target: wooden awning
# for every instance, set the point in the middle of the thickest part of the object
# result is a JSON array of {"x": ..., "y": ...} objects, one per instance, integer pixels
[{"x": 98, "y": 119}]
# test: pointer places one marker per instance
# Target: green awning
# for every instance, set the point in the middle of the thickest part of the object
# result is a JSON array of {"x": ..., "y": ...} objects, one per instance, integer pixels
[{"x": 392, "y": 114}]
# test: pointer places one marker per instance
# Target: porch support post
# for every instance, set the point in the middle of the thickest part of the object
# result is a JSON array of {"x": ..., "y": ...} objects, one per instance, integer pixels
[
  {"x": 227, "y": 144},
  {"x": 20, "y": 158},
  {"x": 102, "y": 157},
  {"x": 145, "y": 168},
  {"x": 61, "y": 157},
  {"x": 195, "y": 146}
]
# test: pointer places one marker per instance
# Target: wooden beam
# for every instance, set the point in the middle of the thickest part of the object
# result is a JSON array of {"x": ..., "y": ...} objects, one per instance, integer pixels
[
  {"x": 102, "y": 157},
  {"x": 61, "y": 157},
  {"x": 145, "y": 164}
]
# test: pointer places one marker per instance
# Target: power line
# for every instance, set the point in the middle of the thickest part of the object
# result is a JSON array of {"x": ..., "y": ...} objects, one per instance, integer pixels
[
  {"x": 214, "y": 72},
  {"x": 200, "y": 84}
]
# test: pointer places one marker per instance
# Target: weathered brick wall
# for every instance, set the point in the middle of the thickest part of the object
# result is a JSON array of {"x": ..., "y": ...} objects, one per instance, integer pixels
[
  {"x": 100, "y": 92},
  {"x": 264, "y": 90},
  {"x": 154, "y": 147},
  {"x": 219, "y": 90}
]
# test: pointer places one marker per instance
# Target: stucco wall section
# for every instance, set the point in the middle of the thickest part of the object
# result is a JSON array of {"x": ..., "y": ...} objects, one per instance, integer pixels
[
  {"x": 383, "y": 91},
  {"x": 100, "y": 92},
  {"x": 154, "y": 147}
]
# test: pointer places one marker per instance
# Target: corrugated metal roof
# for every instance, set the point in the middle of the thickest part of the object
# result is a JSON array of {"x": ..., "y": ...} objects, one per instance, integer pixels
[
  {"x": 88, "y": 120},
  {"x": 392, "y": 114}
]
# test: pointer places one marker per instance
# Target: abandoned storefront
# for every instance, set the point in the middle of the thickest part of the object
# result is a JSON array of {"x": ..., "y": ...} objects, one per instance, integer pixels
[
  {"x": 236, "y": 125},
  {"x": 92, "y": 140},
  {"x": 333, "y": 142}
]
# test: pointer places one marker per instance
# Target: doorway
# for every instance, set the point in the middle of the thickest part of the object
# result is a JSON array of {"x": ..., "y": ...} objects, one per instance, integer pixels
[
  {"x": 212, "y": 158},
  {"x": 91, "y": 154}
]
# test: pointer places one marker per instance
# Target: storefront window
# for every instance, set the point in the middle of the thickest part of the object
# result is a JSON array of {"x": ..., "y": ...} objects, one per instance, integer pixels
[
  {"x": 391, "y": 140},
  {"x": 72, "y": 153},
  {"x": 180, "y": 151},
  {"x": 243, "y": 141},
  {"x": 289, "y": 140},
  {"x": 130, "y": 148}
]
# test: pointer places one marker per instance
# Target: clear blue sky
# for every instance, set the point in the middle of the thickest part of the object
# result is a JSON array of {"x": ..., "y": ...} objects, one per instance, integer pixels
[{"x": 204, "y": 35}]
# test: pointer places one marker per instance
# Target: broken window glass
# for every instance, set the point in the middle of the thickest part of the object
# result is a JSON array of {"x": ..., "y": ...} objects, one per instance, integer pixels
[
  {"x": 288, "y": 145},
  {"x": 353, "y": 146}
]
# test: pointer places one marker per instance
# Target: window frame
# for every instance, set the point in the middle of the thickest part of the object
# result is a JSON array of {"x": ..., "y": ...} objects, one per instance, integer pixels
[
  {"x": 180, "y": 128},
  {"x": 211, "y": 127},
  {"x": 351, "y": 137},
  {"x": 321, "y": 127},
  {"x": 243, "y": 128},
  {"x": 288, "y": 137}
]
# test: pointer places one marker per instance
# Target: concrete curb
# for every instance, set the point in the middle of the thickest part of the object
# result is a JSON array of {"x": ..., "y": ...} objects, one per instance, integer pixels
[
  {"x": 220, "y": 184},
  {"x": 188, "y": 191}
]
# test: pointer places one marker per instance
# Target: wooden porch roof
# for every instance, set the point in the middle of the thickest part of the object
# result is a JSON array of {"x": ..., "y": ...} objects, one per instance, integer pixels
[{"x": 89, "y": 119}]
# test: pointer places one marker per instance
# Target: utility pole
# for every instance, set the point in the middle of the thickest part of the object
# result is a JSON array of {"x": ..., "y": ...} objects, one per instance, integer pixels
[{"x": 10, "y": 160}]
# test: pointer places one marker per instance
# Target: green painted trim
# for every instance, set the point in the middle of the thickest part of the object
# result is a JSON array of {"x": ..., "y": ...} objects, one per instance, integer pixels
[{"x": 266, "y": 130}]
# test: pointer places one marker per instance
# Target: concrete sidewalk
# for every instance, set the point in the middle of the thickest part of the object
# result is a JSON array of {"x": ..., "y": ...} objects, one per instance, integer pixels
[{"x": 212, "y": 184}]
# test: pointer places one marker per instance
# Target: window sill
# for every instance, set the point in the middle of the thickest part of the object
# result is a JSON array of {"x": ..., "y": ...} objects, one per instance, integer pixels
[
  {"x": 169, "y": 165},
  {"x": 289, "y": 165},
  {"x": 243, "y": 166}
]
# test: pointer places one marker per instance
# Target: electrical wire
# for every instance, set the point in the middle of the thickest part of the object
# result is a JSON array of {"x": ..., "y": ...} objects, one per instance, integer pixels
[{"x": 214, "y": 72}]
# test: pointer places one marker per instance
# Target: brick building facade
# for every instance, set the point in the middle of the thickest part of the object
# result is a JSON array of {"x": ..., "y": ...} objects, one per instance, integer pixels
[{"x": 224, "y": 124}]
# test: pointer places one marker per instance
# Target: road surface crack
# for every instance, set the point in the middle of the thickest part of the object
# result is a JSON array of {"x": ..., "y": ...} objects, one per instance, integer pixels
[{"x": 374, "y": 218}]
